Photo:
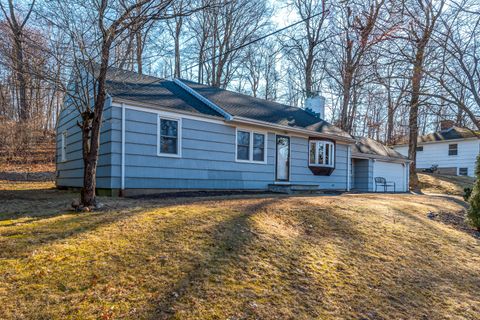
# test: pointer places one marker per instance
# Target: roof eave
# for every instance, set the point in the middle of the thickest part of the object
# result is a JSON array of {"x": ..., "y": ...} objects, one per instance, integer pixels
[
  {"x": 243, "y": 120},
  {"x": 378, "y": 157}
]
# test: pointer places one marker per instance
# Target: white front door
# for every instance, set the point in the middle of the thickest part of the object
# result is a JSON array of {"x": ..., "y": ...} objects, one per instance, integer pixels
[{"x": 283, "y": 159}]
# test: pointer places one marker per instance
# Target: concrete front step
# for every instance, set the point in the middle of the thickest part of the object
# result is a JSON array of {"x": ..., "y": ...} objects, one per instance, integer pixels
[{"x": 293, "y": 188}]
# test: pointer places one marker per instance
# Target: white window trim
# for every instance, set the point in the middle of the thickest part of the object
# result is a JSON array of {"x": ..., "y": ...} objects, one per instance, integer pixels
[
  {"x": 179, "y": 137},
  {"x": 332, "y": 155},
  {"x": 63, "y": 147},
  {"x": 250, "y": 153}
]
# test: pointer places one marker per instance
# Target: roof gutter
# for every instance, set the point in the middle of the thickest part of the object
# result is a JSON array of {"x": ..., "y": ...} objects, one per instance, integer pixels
[
  {"x": 311, "y": 133},
  {"x": 209, "y": 103},
  {"x": 357, "y": 155}
]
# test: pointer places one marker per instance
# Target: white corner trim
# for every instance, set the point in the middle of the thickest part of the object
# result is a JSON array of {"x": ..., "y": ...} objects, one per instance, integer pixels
[
  {"x": 123, "y": 149},
  {"x": 349, "y": 165},
  {"x": 203, "y": 99}
]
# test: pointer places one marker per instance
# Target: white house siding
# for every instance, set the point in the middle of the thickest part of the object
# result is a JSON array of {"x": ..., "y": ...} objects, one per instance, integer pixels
[
  {"x": 437, "y": 154},
  {"x": 208, "y": 158}
]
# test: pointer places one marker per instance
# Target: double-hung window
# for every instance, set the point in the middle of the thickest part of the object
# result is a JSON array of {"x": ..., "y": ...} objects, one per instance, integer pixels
[
  {"x": 251, "y": 146},
  {"x": 321, "y": 153},
  {"x": 169, "y": 140},
  {"x": 453, "y": 149}
]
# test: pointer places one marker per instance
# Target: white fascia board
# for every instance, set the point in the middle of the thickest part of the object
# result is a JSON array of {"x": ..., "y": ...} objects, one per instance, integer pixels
[
  {"x": 379, "y": 158},
  {"x": 435, "y": 142},
  {"x": 203, "y": 99},
  {"x": 306, "y": 132}
]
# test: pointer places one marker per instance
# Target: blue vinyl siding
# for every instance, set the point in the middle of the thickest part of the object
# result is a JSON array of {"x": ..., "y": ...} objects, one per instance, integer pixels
[
  {"x": 208, "y": 158},
  {"x": 363, "y": 175},
  {"x": 70, "y": 172}
]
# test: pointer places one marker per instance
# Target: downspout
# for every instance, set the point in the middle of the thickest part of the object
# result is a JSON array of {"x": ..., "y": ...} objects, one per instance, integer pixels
[{"x": 122, "y": 179}]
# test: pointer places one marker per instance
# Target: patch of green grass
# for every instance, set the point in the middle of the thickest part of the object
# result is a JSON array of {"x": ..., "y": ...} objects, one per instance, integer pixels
[{"x": 329, "y": 257}]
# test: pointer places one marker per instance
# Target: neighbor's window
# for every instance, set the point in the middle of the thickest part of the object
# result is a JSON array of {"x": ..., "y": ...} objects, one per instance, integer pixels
[
  {"x": 453, "y": 149},
  {"x": 463, "y": 171},
  {"x": 168, "y": 138},
  {"x": 321, "y": 153},
  {"x": 64, "y": 146},
  {"x": 419, "y": 148},
  {"x": 250, "y": 146}
]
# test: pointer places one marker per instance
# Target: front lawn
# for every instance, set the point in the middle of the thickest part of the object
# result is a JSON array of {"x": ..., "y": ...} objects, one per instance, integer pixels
[{"x": 250, "y": 257}]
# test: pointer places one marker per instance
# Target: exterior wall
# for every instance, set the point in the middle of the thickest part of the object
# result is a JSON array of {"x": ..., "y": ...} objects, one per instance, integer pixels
[
  {"x": 70, "y": 172},
  {"x": 207, "y": 158},
  {"x": 363, "y": 175},
  {"x": 300, "y": 173},
  {"x": 437, "y": 154}
]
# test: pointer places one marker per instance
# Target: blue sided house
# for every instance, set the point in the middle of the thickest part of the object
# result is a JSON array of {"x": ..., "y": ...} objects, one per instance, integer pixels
[{"x": 163, "y": 135}]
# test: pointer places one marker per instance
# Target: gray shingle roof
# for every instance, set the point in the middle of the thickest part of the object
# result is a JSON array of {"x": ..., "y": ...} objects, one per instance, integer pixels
[
  {"x": 374, "y": 149},
  {"x": 153, "y": 91},
  {"x": 450, "y": 134},
  {"x": 246, "y": 106}
]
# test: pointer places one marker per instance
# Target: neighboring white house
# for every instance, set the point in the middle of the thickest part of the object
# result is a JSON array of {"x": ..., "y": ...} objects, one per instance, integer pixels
[{"x": 453, "y": 149}]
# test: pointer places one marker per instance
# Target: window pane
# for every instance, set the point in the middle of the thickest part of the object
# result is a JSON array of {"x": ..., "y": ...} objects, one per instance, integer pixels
[
  {"x": 168, "y": 128},
  {"x": 168, "y": 145},
  {"x": 312, "y": 152},
  {"x": 327, "y": 153},
  {"x": 243, "y": 138},
  {"x": 258, "y": 154},
  {"x": 320, "y": 152},
  {"x": 453, "y": 149},
  {"x": 243, "y": 152},
  {"x": 258, "y": 140}
]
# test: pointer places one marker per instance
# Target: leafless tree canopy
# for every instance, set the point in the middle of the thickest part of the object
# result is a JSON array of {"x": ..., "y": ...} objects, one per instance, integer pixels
[{"x": 389, "y": 69}]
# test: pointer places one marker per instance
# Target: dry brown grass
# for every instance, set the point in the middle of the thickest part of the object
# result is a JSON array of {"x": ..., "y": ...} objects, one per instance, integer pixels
[
  {"x": 442, "y": 184},
  {"x": 274, "y": 257}
]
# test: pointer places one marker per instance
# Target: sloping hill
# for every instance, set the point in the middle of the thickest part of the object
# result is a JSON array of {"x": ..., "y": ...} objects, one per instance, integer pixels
[
  {"x": 360, "y": 256},
  {"x": 435, "y": 183}
]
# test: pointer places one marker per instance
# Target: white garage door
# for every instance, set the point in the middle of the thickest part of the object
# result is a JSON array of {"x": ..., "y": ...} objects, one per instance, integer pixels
[{"x": 392, "y": 172}]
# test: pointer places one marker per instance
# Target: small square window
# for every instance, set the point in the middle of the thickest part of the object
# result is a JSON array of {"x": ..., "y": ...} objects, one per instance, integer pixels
[
  {"x": 419, "y": 148},
  {"x": 463, "y": 171},
  {"x": 453, "y": 149}
]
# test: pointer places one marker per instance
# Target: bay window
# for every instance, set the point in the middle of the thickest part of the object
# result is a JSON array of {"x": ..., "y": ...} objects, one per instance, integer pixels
[{"x": 321, "y": 153}]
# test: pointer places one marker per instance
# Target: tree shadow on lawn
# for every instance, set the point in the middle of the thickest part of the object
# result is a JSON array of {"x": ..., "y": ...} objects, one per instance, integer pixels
[
  {"x": 230, "y": 239},
  {"x": 433, "y": 275},
  {"x": 257, "y": 272}
]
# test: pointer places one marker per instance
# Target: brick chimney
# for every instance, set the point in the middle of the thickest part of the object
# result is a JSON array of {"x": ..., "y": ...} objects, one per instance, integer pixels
[{"x": 446, "y": 124}]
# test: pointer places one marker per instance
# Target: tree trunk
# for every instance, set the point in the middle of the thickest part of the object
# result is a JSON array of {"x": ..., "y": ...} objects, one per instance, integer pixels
[
  {"x": 91, "y": 135},
  {"x": 413, "y": 118}
]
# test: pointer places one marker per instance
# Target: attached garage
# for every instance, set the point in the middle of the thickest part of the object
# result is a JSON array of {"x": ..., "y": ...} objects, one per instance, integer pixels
[
  {"x": 370, "y": 160},
  {"x": 393, "y": 172}
]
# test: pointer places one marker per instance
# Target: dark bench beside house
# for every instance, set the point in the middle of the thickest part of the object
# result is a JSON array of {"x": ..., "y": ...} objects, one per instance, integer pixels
[{"x": 382, "y": 182}]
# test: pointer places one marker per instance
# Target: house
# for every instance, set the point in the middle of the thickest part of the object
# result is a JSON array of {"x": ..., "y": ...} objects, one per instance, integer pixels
[
  {"x": 160, "y": 134},
  {"x": 372, "y": 159},
  {"x": 453, "y": 149}
]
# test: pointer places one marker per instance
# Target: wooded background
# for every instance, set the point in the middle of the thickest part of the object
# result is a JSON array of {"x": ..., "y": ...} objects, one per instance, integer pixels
[{"x": 389, "y": 69}]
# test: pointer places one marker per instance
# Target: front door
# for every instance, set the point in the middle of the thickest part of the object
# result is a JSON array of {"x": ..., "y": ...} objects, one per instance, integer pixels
[{"x": 283, "y": 159}]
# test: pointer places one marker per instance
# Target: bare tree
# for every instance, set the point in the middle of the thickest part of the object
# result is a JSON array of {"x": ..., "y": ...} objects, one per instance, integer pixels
[
  {"x": 420, "y": 25},
  {"x": 95, "y": 41},
  {"x": 17, "y": 28}
]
